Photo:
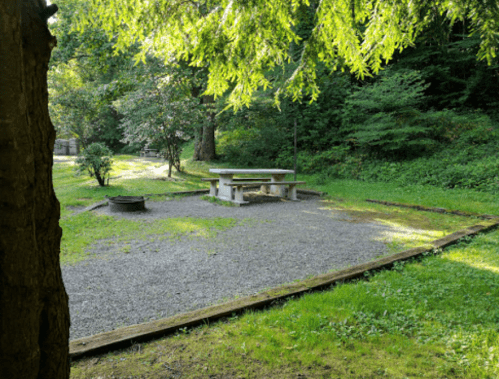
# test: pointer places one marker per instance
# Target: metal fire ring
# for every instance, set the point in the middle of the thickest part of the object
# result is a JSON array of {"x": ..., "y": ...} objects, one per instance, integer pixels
[{"x": 127, "y": 203}]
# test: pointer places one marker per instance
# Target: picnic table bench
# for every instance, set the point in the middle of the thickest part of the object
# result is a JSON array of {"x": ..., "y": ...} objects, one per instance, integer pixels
[
  {"x": 275, "y": 185},
  {"x": 146, "y": 152},
  {"x": 214, "y": 181}
]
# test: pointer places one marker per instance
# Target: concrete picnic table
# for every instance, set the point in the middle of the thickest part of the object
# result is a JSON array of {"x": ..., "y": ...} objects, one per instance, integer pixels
[{"x": 226, "y": 175}]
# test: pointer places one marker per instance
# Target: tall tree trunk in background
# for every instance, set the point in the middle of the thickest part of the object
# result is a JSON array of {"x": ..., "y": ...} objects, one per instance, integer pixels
[
  {"x": 198, "y": 139},
  {"x": 34, "y": 315},
  {"x": 198, "y": 133},
  {"x": 204, "y": 138},
  {"x": 208, "y": 142}
]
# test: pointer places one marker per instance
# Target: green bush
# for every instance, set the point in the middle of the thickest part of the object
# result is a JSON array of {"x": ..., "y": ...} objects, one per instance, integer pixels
[{"x": 96, "y": 159}]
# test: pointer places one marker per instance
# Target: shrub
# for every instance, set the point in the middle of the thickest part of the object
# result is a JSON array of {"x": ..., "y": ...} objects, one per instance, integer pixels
[{"x": 96, "y": 159}]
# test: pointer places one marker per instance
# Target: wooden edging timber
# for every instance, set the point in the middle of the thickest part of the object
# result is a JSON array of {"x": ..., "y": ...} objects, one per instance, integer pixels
[
  {"x": 127, "y": 336},
  {"x": 310, "y": 192},
  {"x": 193, "y": 192},
  {"x": 95, "y": 206},
  {"x": 433, "y": 209}
]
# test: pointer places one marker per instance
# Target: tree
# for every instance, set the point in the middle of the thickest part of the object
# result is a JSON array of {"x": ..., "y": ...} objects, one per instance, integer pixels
[
  {"x": 34, "y": 314},
  {"x": 385, "y": 118},
  {"x": 160, "y": 110},
  {"x": 84, "y": 79},
  {"x": 240, "y": 39}
]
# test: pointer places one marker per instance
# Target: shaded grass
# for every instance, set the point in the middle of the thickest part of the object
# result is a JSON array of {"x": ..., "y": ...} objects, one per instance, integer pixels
[
  {"x": 451, "y": 199},
  {"x": 216, "y": 200},
  {"x": 435, "y": 317}
]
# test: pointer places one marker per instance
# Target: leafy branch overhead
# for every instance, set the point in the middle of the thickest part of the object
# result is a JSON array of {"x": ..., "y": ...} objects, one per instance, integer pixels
[{"x": 241, "y": 39}]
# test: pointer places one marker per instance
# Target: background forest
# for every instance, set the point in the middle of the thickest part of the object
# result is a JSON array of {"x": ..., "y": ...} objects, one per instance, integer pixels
[{"x": 430, "y": 117}]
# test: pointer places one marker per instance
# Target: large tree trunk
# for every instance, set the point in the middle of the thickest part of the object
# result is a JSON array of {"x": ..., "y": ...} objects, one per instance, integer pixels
[
  {"x": 204, "y": 139},
  {"x": 34, "y": 315},
  {"x": 207, "y": 152}
]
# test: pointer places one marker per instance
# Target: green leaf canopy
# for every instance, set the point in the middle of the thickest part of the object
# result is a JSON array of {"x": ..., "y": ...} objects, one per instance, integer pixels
[{"x": 240, "y": 39}]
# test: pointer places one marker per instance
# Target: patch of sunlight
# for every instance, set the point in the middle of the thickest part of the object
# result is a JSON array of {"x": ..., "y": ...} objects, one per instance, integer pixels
[
  {"x": 400, "y": 237},
  {"x": 484, "y": 266},
  {"x": 476, "y": 258},
  {"x": 138, "y": 169}
]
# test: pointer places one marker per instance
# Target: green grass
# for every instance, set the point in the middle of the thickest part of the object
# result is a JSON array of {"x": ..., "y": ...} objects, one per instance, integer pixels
[
  {"x": 130, "y": 176},
  {"x": 455, "y": 199}
]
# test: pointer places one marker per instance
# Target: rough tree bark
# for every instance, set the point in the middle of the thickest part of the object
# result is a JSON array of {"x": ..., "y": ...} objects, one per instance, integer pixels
[{"x": 34, "y": 315}]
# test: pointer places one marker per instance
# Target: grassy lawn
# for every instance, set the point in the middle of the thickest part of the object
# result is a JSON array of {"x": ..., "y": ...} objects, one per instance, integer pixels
[{"x": 436, "y": 317}]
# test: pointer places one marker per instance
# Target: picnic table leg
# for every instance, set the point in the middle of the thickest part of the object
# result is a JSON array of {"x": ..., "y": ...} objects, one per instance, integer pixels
[
  {"x": 225, "y": 192},
  {"x": 292, "y": 192},
  {"x": 239, "y": 195},
  {"x": 213, "y": 188},
  {"x": 276, "y": 189}
]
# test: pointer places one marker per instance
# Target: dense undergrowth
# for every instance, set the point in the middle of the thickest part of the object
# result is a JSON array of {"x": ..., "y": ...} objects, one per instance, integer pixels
[{"x": 458, "y": 166}]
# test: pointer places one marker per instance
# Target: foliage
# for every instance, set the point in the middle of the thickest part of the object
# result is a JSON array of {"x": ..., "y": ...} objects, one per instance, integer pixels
[
  {"x": 466, "y": 158},
  {"x": 84, "y": 78},
  {"x": 449, "y": 64},
  {"x": 240, "y": 40},
  {"x": 96, "y": 159},
  {"x": 252, "y": 137},
  {"x": 160, "y": 110},
  {"x": 263, "y": 136},
  {"x": 384, "y": 117}
]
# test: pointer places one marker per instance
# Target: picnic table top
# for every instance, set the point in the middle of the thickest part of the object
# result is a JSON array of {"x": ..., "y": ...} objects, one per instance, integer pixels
[{"x": 229, "y": 171}]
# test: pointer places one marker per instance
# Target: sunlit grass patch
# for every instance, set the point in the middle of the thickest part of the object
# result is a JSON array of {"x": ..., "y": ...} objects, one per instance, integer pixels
[
  {"x": 408, "y": 227},
  {"x": 127, "y": 179}
]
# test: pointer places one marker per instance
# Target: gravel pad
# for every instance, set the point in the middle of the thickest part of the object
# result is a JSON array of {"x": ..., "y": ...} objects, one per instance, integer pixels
[{"x": 283, "y": 241}]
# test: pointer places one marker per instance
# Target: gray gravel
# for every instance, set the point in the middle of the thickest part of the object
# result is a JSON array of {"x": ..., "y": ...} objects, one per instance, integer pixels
[{"x": 284, "y": 242}]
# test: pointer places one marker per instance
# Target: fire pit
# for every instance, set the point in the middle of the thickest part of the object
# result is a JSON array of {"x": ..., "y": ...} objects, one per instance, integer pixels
[{"x": 127, "y": 203}]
